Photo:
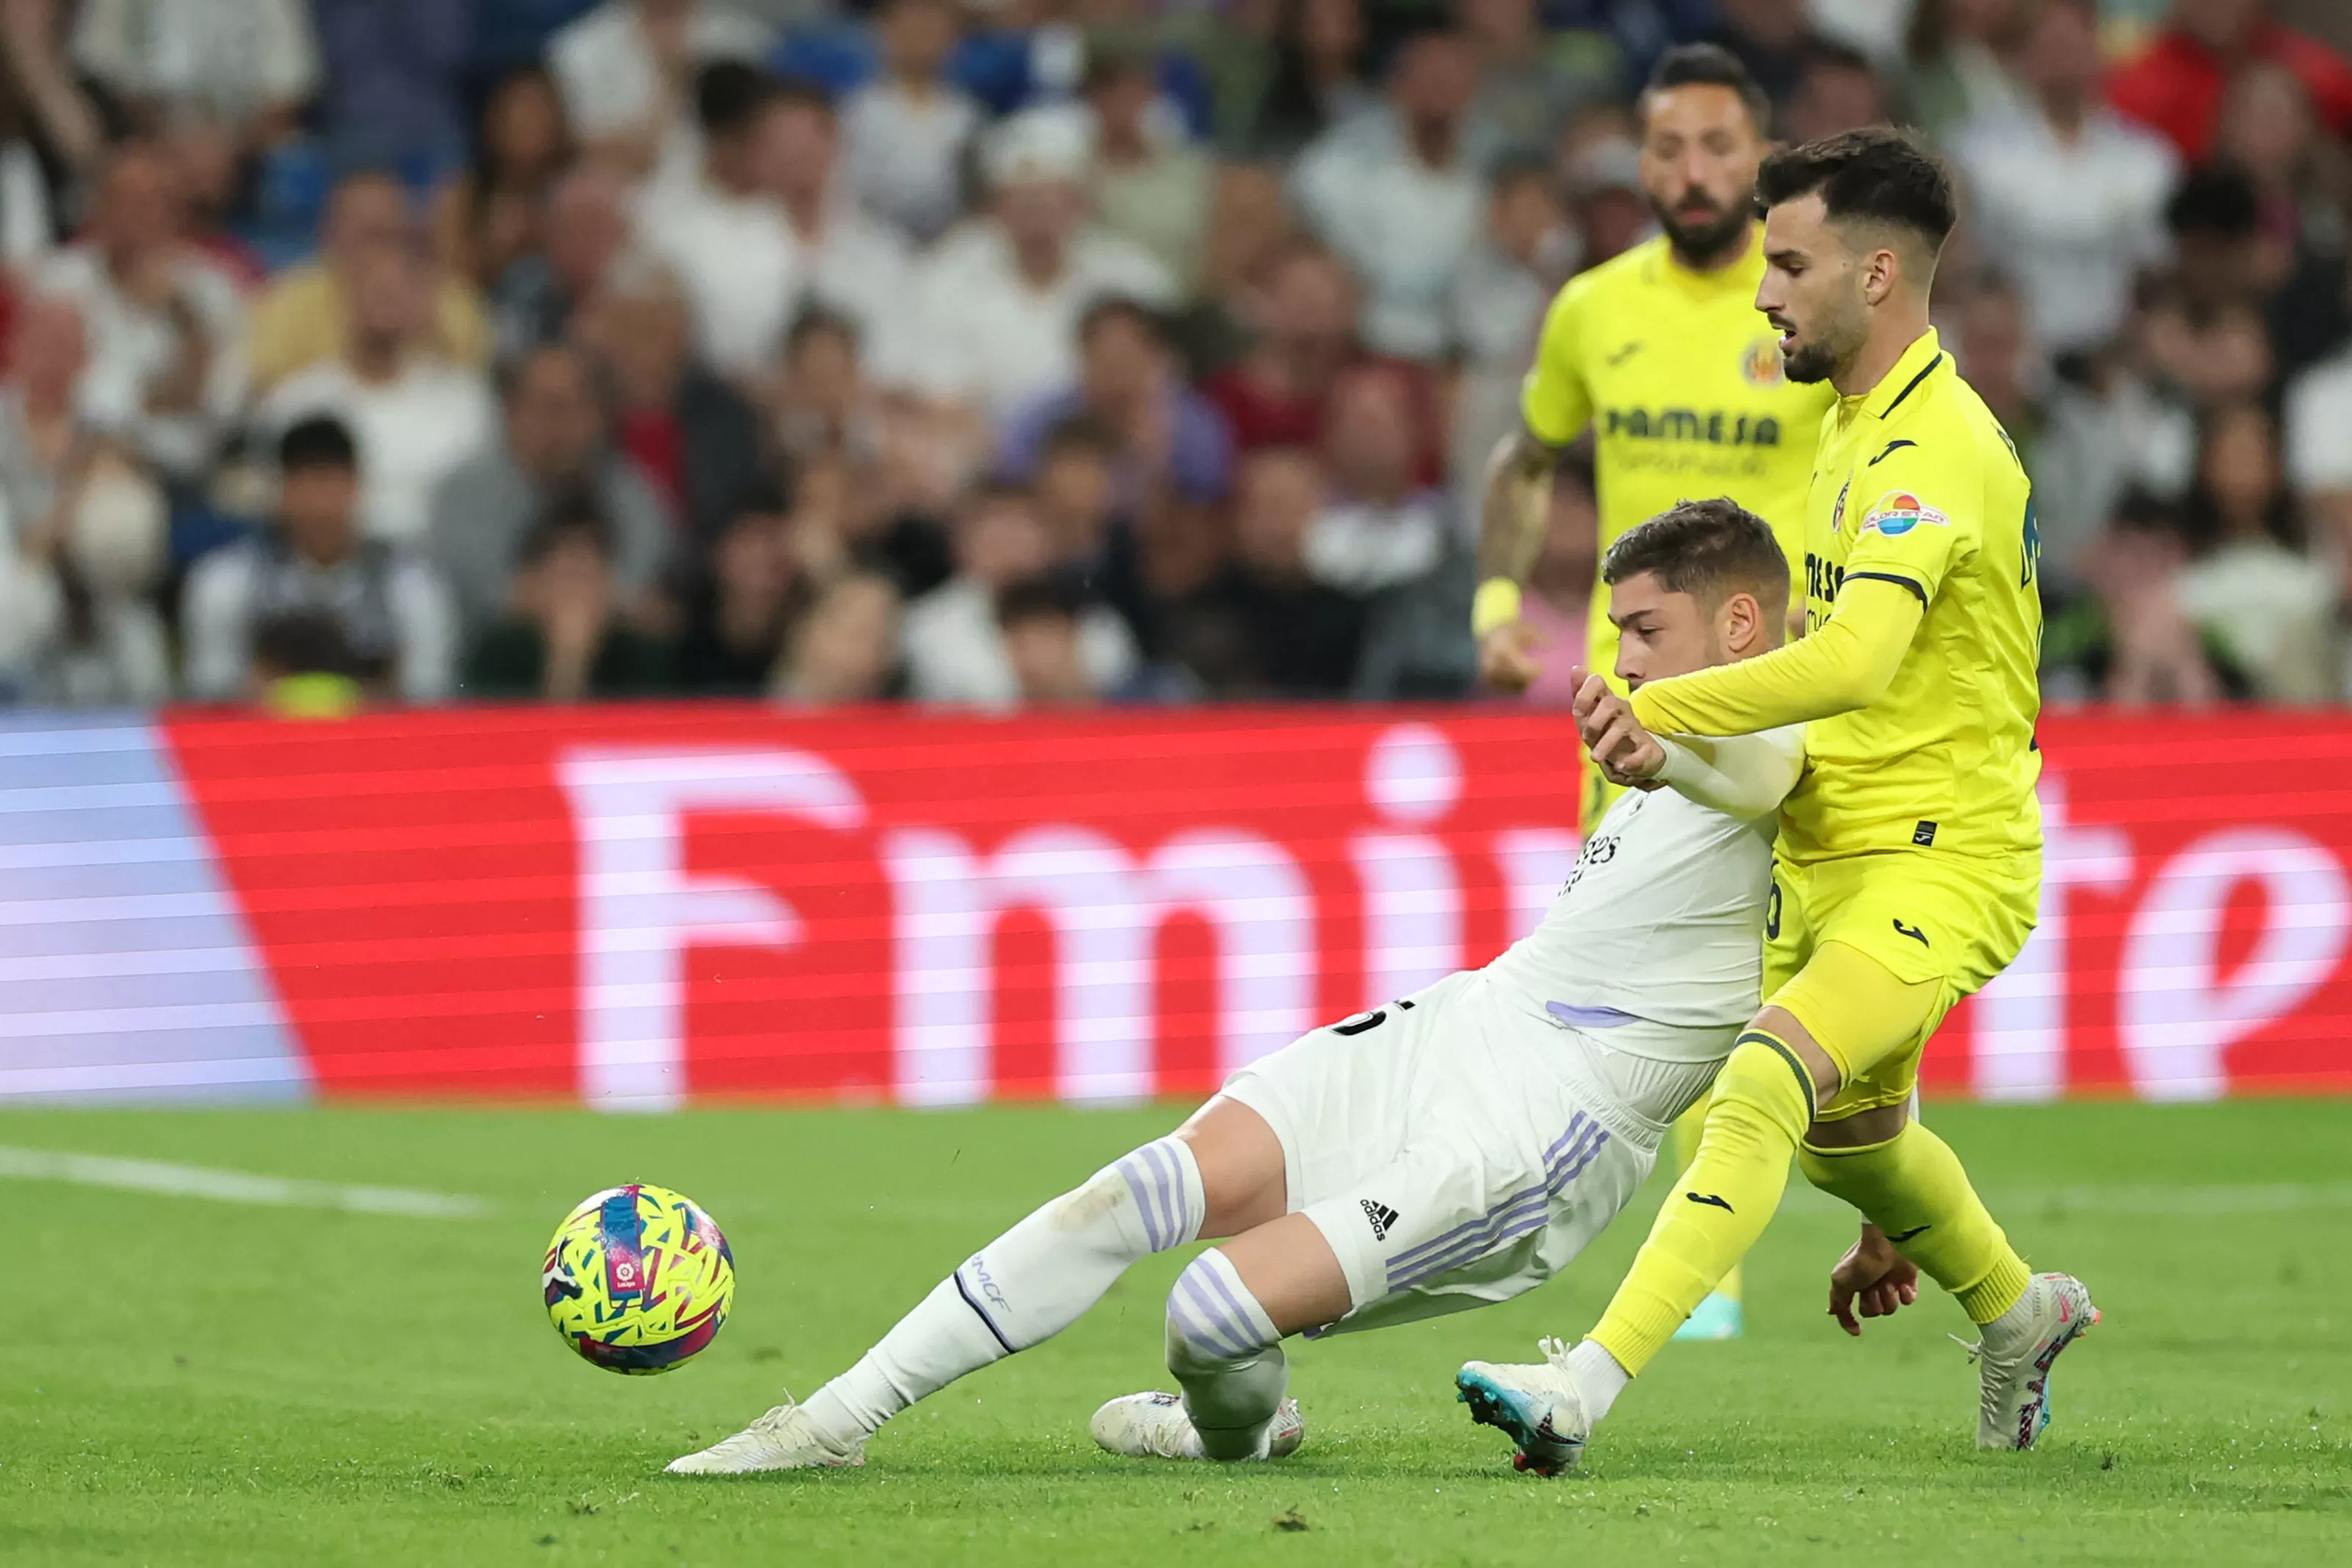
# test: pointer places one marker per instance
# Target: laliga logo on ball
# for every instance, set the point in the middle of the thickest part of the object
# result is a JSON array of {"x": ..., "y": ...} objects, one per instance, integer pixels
[{"x": 639, "y": 1280}]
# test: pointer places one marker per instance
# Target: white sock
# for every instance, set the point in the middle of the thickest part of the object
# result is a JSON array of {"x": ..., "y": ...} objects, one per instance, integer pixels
[
  {"x": 1598, "y": 1377},
  {"x": 1025, "y": 1287},
  {"x": 1227, "y": 1357}
]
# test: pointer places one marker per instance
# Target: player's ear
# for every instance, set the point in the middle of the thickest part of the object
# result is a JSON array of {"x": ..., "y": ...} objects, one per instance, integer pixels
[
  {"x": 1880, "y": 271},
  {"x": 1740, "y": 623}
]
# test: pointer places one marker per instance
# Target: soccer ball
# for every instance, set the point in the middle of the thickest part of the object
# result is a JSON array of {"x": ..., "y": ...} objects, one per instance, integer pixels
[{"x": 639, "y": 1280}]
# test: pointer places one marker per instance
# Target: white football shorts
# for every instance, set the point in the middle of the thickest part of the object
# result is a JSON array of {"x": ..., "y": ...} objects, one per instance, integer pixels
[{"x": 1448, "y": 1147}]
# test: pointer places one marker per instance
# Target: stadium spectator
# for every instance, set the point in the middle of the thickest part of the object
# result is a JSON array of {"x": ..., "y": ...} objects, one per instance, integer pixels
[
  {"x": 1772, "y": 39},
  {"x": 555, "y": 446},
  {"x": 823, "y": 401},
  {"x": 1600, "y": 172},
  {"x": 1529, "y": 81},
  {"x": 1174, "y": 448},
  {"x": 60, "y": 135},
  {"x": 388, "y": 614},
  {"x": 1000, "y": 298},
  {"x": 583, "y": 231},
  {"x": 302, "y": 318},
  {"x": 1147, "y": 186},
  {"x": 2318, "y": 449},
  {"x": 1837, "y": 90},
  {"x": 83, "y": 528},
  {"x": 1250, "y": 230},
  {"x": 1955, "y": 70},
  {"x": 487, "y": 219},
  {"x": 417, "y": 416},
  {"x": 844, "y": 258},
  {"x": 1499, "y": 297},
  {"x": 1381, "y": 526},
  {"x": 1265, "y": 626},
  {"x": 905, "y": 134},
  {"x": 1314, "y": 81},
  {"x": 245, "y": 64},
  {"x": 165, "y": 325},
  {"x": 954, "y": 649},
  {"x": 1304, "y": 325},
  {"x": 628, "y": 72},
  {"x": 845, "y": 649},
  {"x": 691, "y": 433},
  {"x": 2176, "y": 85},
  {"x": 1041, "y": 622},
  {"x": 2250, "y": 591},
  {"x": 738, "y": 617},
  {"x": 2074, "y": 260},
  {"x": 721, "y": 230},
  {"x": 1559, "y": 603},
  {"x": 564, "y": 639},
  {"x": 2130, "y": 642},
  {"x": 2219, "y": 260},
  {"x": 1400, "y": 199},
  {"x": 395, "y": 74}
]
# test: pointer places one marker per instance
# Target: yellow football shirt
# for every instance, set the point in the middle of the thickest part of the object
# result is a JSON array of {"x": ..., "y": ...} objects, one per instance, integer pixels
[
  {"x": 1918, "y": 486},
  {"x": 1679, "y": 376}
]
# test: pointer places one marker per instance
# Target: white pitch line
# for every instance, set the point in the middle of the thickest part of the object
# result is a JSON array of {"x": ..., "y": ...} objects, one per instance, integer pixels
[{"x": 233, "y": 1186}]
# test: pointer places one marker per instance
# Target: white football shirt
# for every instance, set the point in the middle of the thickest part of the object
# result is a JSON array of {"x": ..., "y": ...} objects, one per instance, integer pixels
[{"x": 1662, "y": 921}]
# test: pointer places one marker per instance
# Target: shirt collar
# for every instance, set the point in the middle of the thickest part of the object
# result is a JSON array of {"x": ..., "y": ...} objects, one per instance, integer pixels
[{"x": 1918, "y": 362}]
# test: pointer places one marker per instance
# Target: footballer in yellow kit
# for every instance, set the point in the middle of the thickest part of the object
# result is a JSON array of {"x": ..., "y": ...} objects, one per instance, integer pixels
[
  {"x": 1662, "y": 353},
  {"x": 1907, "y": 866}
]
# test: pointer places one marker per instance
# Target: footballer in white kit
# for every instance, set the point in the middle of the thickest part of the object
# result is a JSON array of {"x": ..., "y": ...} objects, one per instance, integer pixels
[{"x": 1454, "y": 1148}]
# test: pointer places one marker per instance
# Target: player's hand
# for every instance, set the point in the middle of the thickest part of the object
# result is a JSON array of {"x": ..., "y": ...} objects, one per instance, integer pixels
[
  {"x": 1872, "y": 1280},
  {"x": 1507, "y": 658},
  {"x": 1627, "y": 753}
]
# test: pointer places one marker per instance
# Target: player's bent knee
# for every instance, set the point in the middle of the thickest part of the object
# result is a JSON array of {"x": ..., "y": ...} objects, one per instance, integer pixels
[
  {"x": 1213, "y": 1319},
  {"x": 1152, "y": 1197}
]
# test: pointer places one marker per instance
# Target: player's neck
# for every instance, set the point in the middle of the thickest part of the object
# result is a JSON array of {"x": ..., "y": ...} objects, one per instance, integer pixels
[
  {"x": 1880, "y": 354},
  {"x": 1730, "y": 256}
]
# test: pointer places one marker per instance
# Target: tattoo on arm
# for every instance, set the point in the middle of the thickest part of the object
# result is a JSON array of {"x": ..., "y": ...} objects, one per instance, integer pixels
[{"x": 1517, "y": 508}]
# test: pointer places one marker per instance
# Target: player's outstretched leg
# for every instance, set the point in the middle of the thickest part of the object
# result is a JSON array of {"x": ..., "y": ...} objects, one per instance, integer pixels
[
  {"x": 1912, "y": 1187},
  {"x": 1025, "y": 1287},
  {"x": 1227, "y": 1316}
]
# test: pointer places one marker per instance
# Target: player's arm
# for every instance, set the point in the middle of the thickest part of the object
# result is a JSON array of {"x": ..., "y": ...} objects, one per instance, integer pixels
[
  {"x": 1743, "y": 776},
  {"x": 1554, "y": 408},
  {"x": 1904, "y": 547}
]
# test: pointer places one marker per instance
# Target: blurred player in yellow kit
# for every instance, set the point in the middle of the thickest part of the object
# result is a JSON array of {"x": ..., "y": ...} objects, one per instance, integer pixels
[
  {"x": 1662, "y": 352},
  {"x": 1909, "y": 862}
]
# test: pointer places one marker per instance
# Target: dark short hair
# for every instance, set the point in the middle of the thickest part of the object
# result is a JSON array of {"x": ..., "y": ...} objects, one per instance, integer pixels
[
  {"x": 800, "y": 92},
  {"x": 1112, "y": 307},
  {"x": 1710, "y": 65},
  {"x": 1709, "y": 550},
  {"x": 570, "y": 521},
  {"x": 1080, "y": 432},
  {"x": 321, "y": 441},
  {"x": 1876, "y": 174},
  {"x": 1514, "y": 169},
  {"x": 1050, "y": 596},
  {"x": 816, "y": 321},
  {"x": 729, "y": 96},
  {"x": 2217, "y": 201}
]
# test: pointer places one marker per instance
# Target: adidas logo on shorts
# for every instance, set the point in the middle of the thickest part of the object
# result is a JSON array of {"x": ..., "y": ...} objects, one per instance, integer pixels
[{"x": 1381, "y": 1214}]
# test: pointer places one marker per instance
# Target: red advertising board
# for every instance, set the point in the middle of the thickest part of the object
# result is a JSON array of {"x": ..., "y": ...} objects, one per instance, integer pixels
[{"x": 640, "y": 905}]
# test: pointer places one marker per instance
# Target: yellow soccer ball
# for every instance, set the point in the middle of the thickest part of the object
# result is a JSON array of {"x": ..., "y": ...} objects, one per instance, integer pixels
[{"x": 639, "y": 1280}]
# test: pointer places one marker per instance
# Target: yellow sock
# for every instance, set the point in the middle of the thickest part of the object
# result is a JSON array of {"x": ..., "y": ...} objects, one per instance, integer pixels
[
  {"x": 1763, "y": 1103},
  {"x": 1912, "y": 1187},
  {"x": 1688, "y": 1130}
]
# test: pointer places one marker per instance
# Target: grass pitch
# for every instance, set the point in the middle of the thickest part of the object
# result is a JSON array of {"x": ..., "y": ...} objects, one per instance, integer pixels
[{"x": 197, "y": 1381}]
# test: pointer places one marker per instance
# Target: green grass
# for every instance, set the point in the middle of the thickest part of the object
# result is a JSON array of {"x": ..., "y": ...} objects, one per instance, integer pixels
[{"x": 200, "y": 1382}]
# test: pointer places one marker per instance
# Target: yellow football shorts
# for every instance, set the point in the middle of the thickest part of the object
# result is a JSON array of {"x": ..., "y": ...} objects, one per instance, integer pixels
[{"x": 1906, "y": 919}]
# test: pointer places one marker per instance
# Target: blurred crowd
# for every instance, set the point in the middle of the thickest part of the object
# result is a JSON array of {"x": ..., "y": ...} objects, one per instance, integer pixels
[{"x": 991, "y": 353}]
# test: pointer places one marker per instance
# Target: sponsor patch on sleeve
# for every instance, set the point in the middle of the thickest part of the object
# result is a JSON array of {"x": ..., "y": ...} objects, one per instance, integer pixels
[{"x": 1897, "y": 512}]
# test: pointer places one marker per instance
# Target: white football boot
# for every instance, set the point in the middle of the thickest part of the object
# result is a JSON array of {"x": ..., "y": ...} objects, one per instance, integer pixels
[
  {"x": 2013, "y": 1404},
  {"x": 783, "y": 1440},
  {"x": 1155, "y": 1427},
  {"x": 1538, "y": 1405}
]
